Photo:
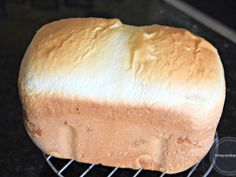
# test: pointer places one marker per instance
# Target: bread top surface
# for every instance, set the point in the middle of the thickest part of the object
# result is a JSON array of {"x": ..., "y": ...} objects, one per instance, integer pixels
[{"x": 107, "y": 61}]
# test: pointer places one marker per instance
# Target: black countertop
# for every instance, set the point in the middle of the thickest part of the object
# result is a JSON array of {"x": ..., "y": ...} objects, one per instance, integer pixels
[{"x": 19, "y": 20}]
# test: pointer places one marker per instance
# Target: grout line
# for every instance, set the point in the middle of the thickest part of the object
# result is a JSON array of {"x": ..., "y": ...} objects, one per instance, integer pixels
[{"x": 204, "y": 19}]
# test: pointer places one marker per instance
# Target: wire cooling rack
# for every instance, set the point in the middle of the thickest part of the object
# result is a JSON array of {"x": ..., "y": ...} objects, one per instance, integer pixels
[{"x": 65, "y": 165}]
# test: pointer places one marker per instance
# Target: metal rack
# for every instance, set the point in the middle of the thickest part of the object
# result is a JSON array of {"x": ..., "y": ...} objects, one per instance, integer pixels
[{"x": 62, "y": 170}]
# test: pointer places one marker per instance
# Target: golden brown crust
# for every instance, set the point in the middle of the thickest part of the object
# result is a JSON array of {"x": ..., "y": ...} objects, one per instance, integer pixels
[
  {"x": 99, "y": 91},
  {"x": 157, "y": 59}
]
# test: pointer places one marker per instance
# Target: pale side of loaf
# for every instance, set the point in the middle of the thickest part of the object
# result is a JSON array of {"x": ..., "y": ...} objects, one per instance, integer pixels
[{"x": 98, "y": 91}]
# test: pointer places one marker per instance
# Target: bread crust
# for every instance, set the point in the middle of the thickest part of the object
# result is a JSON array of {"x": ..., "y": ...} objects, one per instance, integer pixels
[
  {"x": 118, "y": 135},
  {"x": 98, "y": 91}
]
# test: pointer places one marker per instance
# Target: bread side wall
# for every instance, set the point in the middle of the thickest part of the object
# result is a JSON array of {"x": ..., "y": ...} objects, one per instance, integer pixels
[{"x": 117, "y": 135}]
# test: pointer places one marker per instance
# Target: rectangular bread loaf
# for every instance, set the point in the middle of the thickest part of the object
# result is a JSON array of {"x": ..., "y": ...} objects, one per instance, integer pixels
[{"x": 99, "y": 91}]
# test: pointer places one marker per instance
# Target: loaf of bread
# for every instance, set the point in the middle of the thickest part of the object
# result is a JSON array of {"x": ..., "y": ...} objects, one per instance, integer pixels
[{"x": 99, "y": 91}]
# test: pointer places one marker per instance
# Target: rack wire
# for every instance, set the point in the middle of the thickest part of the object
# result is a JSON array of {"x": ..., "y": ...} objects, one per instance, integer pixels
[{"x": 59, "y": 172}]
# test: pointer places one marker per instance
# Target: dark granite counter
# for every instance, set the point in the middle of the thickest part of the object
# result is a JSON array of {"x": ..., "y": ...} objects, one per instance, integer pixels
[{"x": 19, "y": 21}]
